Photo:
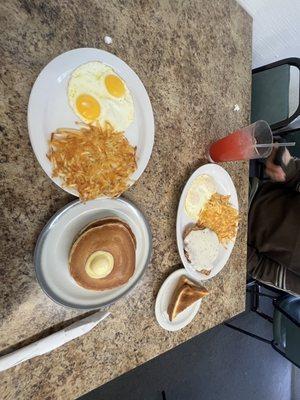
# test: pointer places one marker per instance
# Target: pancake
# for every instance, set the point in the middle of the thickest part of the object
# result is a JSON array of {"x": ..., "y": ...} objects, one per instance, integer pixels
[
  {"x": 106, "y": 221},
  {"x": 111, "y": 236}
]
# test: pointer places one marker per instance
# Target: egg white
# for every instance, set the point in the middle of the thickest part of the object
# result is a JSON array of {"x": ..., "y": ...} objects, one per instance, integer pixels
[
  {"x": 89, "y": 79},
  {"x": 200, "y": 191}
]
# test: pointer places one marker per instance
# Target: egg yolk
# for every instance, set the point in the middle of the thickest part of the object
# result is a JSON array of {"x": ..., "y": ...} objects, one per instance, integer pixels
[
  {"x": 114, "y": 85},
  {"x": 88, "y": 107}
]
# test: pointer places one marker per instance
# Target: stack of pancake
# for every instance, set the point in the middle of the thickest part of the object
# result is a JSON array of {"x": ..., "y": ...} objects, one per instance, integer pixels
[{"x": 103, "y": 255}]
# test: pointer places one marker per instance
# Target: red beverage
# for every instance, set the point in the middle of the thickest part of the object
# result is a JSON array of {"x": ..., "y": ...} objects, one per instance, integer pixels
[{"x": 239, "y": 145}]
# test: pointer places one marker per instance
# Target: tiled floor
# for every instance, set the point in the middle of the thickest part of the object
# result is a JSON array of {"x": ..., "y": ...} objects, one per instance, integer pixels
[{"x": 220, "y": 364}]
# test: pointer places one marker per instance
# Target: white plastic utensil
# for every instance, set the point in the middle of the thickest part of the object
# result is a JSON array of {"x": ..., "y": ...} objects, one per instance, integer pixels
[{"x": 53, "y": 341}]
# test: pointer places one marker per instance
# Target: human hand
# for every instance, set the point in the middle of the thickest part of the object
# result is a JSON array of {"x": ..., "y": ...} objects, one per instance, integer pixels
[{"x": 275, "y": 172}]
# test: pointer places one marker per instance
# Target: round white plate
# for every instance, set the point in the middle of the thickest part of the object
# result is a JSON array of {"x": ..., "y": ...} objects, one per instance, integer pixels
[
  {"x": 163, "y": 300},
  {"x": 224, "y": 186},
  {"x": 48, "y": 107},
  {"x": 55, "y": 241}
]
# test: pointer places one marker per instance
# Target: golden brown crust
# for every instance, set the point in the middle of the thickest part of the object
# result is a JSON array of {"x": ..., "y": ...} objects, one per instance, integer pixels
[{"x": 185, "y": 294}]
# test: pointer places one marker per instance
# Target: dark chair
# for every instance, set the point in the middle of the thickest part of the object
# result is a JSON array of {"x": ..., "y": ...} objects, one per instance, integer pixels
[
  {"x": 285, "y": 320},
  {"x": 272, "y": 92},
  {"x": 271, "y": 101}
]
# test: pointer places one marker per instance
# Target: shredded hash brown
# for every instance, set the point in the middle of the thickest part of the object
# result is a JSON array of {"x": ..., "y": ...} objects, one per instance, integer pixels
[
  {"x": 219, "y": 216},
  {"x": 93, "y": 160}
]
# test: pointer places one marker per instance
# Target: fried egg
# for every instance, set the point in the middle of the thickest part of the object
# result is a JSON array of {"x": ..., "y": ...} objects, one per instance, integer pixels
[
  {"x": 200, "y": 191},
  {"x": 96, "y": 93}
]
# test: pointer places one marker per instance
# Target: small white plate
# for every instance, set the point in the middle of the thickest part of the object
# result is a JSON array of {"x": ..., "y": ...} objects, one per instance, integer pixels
[
  {"x": 56, "y": 239},
  {"x": 225, "y": 186},
  {"x": 163, "y": 300},
  {"x": 48, "y": 107}
]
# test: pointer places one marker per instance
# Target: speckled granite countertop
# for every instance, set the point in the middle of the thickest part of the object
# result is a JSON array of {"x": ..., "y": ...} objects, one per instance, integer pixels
[{"x": 194, "y": 58}]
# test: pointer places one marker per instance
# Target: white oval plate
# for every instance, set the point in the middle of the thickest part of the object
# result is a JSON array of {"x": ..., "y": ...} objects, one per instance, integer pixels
[
  {"x": 48, "y": 107},
  {"x": 55, "y": 241},
  {"x": 224, "y": 186},
  {"x": 163, "y": 300}
]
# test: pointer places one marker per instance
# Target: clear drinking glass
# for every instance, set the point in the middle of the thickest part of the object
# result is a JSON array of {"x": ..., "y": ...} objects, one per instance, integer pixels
[{"x": 253, "y": 141}]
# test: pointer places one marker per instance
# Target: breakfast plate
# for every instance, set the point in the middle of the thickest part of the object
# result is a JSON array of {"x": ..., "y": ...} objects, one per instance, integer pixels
[
  {"x": 162, "y": 302},
  {"x": 49, "y": 107},
  {"x": 224, "y": 186},
  {"x": 52, "y": 252}
]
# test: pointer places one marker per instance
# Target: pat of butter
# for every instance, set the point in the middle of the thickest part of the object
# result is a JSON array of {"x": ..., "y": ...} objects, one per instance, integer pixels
[{"x": 99, "y": 264}]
